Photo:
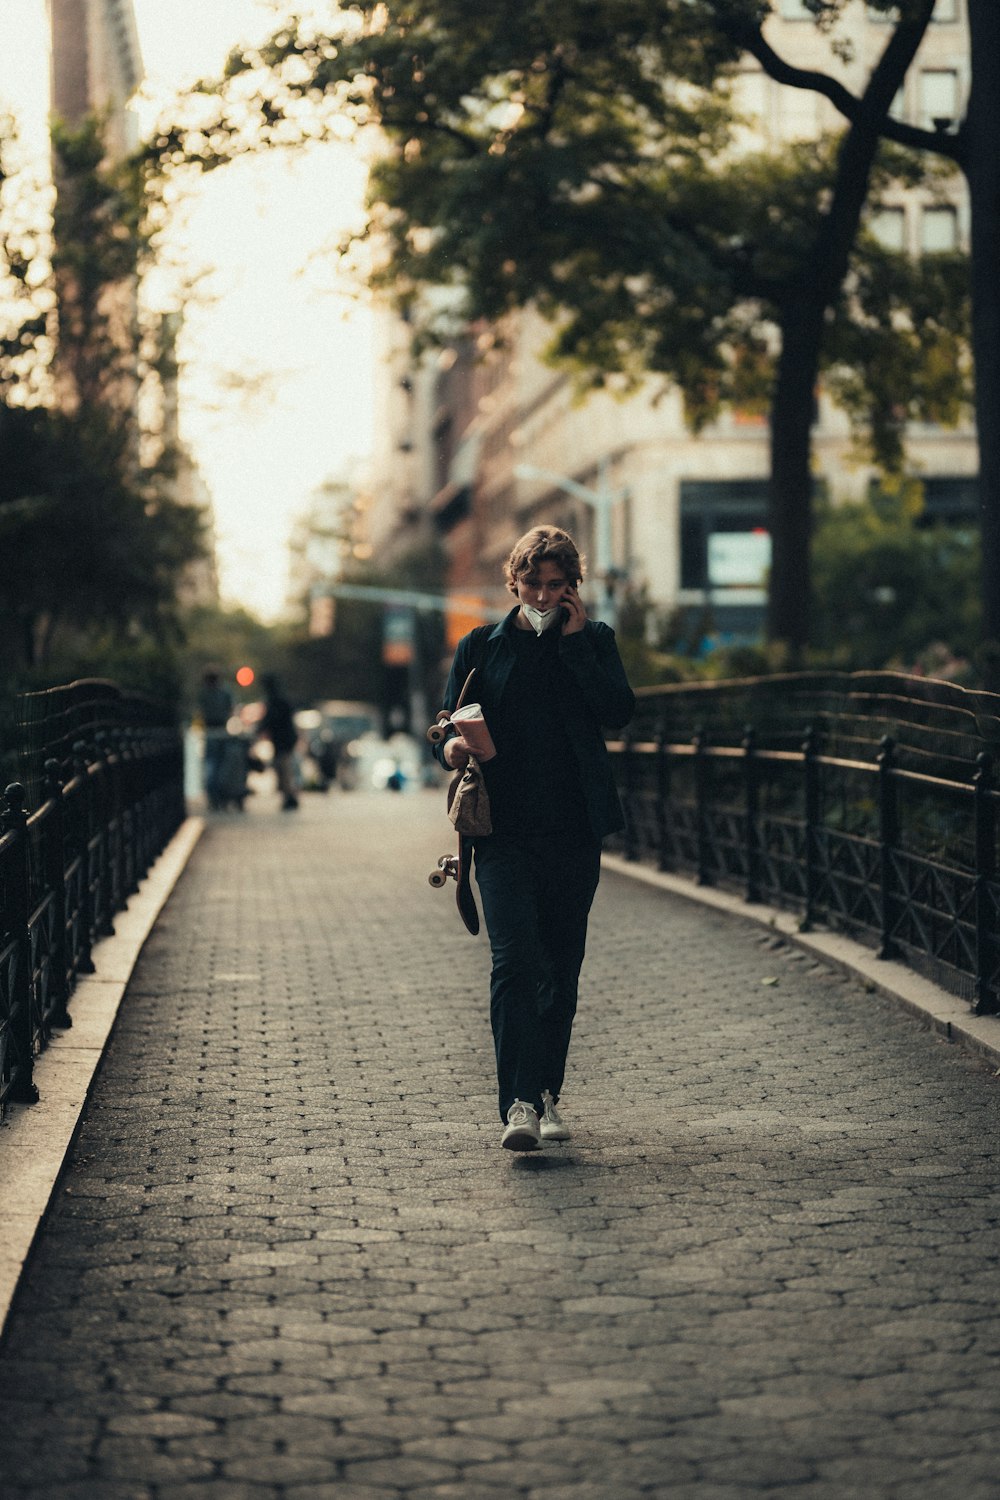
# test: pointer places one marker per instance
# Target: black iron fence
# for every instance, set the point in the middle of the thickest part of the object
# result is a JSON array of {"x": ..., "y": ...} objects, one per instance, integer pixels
[
  {"x": 99, "y": 793},
  {"x": 865, "y": 802}
]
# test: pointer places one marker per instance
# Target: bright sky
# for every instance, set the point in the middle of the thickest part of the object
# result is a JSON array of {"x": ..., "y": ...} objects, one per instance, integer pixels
[{"x": 276, "y": 388}]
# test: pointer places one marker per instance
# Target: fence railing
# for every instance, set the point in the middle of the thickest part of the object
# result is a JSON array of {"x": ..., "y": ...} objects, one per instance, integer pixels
[
  {"x": 101, "y": 792},
  {"x": 864, "y": 802}
]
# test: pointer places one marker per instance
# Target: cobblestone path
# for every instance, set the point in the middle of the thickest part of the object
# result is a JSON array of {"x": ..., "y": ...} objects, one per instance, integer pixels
[{"x": 289, "y": 1262}]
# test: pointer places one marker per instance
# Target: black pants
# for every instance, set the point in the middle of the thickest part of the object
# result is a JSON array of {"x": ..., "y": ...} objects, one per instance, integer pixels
[{"x": 536, "y": 893}]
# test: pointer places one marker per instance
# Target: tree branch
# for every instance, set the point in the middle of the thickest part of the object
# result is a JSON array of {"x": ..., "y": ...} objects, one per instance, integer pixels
[{"x": 751, "y": 39}]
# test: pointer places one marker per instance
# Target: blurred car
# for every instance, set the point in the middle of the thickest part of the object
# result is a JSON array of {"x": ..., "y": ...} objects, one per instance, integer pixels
[
  {"x": 325, "y": 733},
  {"x": 373, "y": 762}
]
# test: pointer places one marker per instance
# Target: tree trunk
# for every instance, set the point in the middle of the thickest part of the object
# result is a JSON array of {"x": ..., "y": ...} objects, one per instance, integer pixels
[
  {"x": 793, "y": 404},
  {"x": 791, "y": 480},
  {"x": 983, "y": 169}
]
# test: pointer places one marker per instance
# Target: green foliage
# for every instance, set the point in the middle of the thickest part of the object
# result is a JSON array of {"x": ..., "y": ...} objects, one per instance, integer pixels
[
  {"x": 900, "y": 350},
  {"x": 551, "y": 162},
  {"x": 229, "y": 638},
  {"x": 98, "y": 243},
  {"x": 574, "y": 154},
  {"x": 348, "y": 663},
  {"x": 889, "y": 590},
  {"x": 94, "y": 546},
  {"x": 645, "y": 663},
  {"x": 87, "y": 551},
  {"x": 25, "y": 297}
]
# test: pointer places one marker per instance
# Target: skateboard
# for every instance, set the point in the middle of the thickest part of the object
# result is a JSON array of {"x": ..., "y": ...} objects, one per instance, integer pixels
[
  {"x": 442, "y": 718},
  {"x": 439, "y": 728},
  {"x": 456, "y": 867}
]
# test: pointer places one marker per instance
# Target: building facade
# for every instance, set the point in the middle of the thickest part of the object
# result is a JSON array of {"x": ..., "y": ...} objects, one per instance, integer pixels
[
  {"x": 96, "y": 64},
  {"x": 487, "y": 439},
  {"x": 95, "y": 68}
]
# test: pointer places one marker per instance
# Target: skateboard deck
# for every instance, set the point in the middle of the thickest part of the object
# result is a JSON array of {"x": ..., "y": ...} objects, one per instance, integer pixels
[{"x": 456, "y": 867}]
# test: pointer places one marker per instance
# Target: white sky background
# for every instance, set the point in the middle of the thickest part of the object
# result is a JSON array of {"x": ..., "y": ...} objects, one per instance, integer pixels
[{"x": 277, "y": 379}]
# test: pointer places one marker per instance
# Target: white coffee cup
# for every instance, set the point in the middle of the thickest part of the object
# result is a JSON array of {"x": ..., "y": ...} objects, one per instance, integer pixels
[{"x": 471, "y": 725}]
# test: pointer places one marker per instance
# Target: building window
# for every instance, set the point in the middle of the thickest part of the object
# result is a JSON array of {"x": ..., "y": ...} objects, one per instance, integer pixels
[
  {"x": 945, "y": 11},
  {"x": 938, "y": 229},
  {"x": 938, "y": 97},
  {"x": 949, "y": 500},
  {"x": 725, "y": 543},
  {"x": 888, "y": 225}
]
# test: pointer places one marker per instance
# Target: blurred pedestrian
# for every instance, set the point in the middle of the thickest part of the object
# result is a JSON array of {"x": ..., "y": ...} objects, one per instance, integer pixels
[
  {"x": 278, "y": 726},
  {"x": 215, "y": 705},
  {"x": 547, "y": 679}
]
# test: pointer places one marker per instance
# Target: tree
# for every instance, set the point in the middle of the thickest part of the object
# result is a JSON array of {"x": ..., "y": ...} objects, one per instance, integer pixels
[
  {"x": 94, "y": 543},
  {"x": 977, "y": 151},
  {"x": 98, "y": 243},
  {"x": 575, "y": 156},
  {"x": 86, "y": 548},
  {"x": 807, "y": 297},
  {"x": 26, "y": 296},
  {"x": 973, "y": 145}
]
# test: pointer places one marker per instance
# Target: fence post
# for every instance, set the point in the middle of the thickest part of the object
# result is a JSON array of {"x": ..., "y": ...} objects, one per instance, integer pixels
[
  {"x": 54, "y": 844},
  {"x": 811, "y": 808},
  {"x": 22, "y": 1029},
  {"x": 117, "y": 768},
  {"x": 84, "y": 832},
  {"x": 104, "y": 760},
  {"x": 751, "y": 822},
  {"x": 701, "y": 782},
  {"x": 986, "y": 845},
  {"x": 888, "y": 820},
  {"x": 664, "y": 861},
  {"x": 630, "y": 838},
  {"x": 130, "y": 827}
]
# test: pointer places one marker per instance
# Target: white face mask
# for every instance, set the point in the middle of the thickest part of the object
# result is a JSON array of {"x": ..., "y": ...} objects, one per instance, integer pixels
[{"x": 539, "y": 619}]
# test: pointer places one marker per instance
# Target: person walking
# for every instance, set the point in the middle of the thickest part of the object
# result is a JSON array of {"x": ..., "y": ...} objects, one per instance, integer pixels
[
  {"x": 278, "y": 726},
  {"x": 215, "y": 705},
  {"x": 548, "y": 679}
]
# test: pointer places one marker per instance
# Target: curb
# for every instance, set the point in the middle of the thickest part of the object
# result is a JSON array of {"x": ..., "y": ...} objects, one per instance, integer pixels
[
  {"x": 35, "y": 1138},
  {"x": 946, "y": 1014}
]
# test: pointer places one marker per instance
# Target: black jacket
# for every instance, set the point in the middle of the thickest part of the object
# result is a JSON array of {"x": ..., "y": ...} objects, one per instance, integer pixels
[{"x": 594, "y": 692}]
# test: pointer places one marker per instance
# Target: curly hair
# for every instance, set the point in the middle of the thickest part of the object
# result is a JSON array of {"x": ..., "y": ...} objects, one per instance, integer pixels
[{"x": 543, "y": 544}]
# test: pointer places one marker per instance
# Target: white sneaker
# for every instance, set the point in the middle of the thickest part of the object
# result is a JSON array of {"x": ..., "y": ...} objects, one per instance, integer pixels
[
  {"x": 522, "y": 1132},
  {"x": 552, "y": 1126}
]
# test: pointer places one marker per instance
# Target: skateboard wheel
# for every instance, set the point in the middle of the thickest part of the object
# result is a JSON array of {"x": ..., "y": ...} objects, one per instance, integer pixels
[
  {"x": 436, "y": 733},
  {"x": 437, "y": 878}
]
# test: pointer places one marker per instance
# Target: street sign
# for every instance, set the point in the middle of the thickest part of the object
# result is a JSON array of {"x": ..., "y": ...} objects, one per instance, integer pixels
[{"x": 398, "y": 635}]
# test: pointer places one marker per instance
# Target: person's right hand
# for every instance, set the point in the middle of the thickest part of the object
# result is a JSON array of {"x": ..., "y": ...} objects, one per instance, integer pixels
[{"x": 457, "y": 753}]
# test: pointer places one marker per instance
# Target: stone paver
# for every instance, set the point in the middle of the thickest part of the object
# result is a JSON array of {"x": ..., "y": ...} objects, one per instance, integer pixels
[{"x": 288, "y": 1261}]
